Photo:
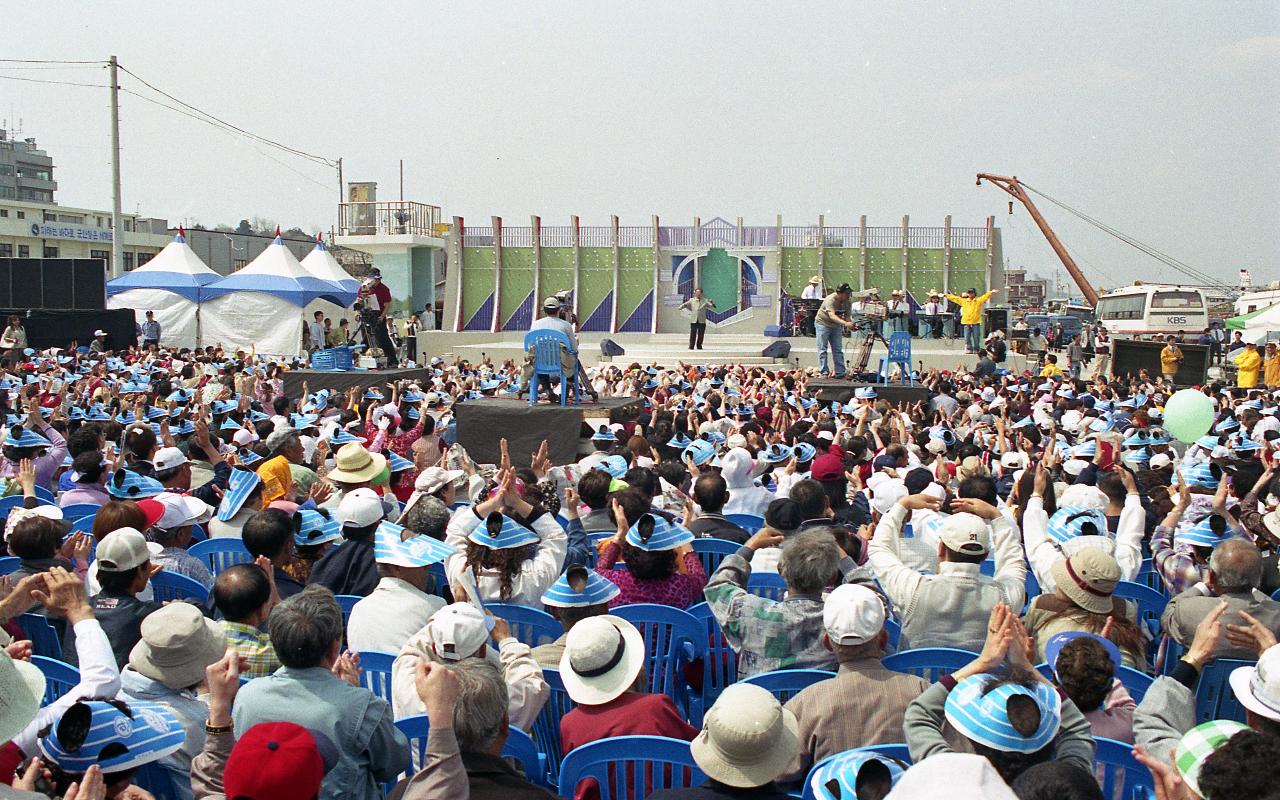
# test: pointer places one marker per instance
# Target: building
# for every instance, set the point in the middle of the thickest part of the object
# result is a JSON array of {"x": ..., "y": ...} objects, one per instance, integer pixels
[
  {"x": 26, "y": 171},
  {"x": 1024, "y": 292}
]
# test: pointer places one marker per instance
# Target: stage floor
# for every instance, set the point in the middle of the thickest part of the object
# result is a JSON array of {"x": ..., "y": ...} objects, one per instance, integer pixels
[
  {"x": 828, "y": 390},
  {"x": 481, "y": 423}
]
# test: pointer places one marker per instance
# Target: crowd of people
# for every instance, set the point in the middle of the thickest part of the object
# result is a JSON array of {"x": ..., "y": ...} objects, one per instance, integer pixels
[{"x": 1005, "y": 521}]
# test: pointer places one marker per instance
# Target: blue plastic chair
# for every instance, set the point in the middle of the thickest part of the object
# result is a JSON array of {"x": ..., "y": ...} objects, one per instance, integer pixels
[
  {"x": 83, "y": 525},
  {"x": 1150, "y": 577},
  {"x": 720, "y": 664},
  {"x": 10, "y": 565},
  {"x": 930, "y": 663},
  {"x": 347, "y": 602},
  {"x": 546, "y": 728},
  {"x": 198, "y": 535},
  {"x": 167, "y": 585},
  {"x": 43, "y": 493},
  {"x": 1214, "y": 698},
  {"x": 770, "y": 585},
  {"x": 1150, "y": 603},
  {"x": 631, "y": 766},
  {"x": 519, "y": 746},
  {"x": 530, "y": 626},
  {"x": 221, "y": 553},
  {"x": 155, "y": 778},
  {"x": 375, "y": 672},
  {"x": 547, "y": 346},
  {"x": 905, "y": 760},
  {"x": 712, "y": 551},
  {"x": 785, "y": 684},
  {"x": 1134, "y": 681},
  {"x": 672, "y": 638},
  {"x": 895, "y": 632},
  {"x": 1123, "y": 778},
  {"x": 899, "y": 353},
  {"x": 59, "y": 677},
  {"x": 44, "y": 637},
  {"x": 748, "y": 522},
  {"x": 76, "y": 511},
  {"x": 13, "y": 501}
]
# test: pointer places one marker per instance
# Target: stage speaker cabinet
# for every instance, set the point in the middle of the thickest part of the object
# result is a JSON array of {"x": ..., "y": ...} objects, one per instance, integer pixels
[
  {"x": 777, "y": 350},
  {"x": 53, "y": 283},
  {"x": 609, "y": 348},
  {"x": 997, "y": 319},
  {"x": 1131, "y": 356},
  {"x": 775, "y": 331}
]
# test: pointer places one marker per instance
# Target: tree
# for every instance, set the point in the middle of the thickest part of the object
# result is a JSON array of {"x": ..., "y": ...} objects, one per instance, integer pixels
[
  {"x": 264, "y": 226},
  {"x": 244, "y": 228}
]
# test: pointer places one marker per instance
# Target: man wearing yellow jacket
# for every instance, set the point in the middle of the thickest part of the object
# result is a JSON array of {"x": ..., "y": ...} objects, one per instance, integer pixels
[
  {"x": 1248, "y": 363},
  {"x": 971, "y": 304}
]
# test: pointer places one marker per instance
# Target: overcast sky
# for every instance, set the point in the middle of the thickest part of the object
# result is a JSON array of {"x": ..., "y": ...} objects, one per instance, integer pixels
[{"x": 1159, "y": 119}]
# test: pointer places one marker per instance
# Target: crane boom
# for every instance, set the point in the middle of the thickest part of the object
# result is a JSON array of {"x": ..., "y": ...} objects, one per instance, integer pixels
[{"x": 1014, "y": 189}]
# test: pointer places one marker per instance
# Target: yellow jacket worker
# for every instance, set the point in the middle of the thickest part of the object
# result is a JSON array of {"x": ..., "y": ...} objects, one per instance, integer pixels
[
  {"x": 1248, "y": 361},
  {"x": 1171, "y": 358},
  {"x": 1271, "y": 366},
  {"x": 971, "y": 304}
]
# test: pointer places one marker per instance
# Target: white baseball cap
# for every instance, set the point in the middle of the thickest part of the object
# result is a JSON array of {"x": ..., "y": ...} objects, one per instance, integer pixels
[
  {"x": 966, "y": 533},
  {"x": 1162, "y": 460},
  {"x": 360, "y": 508},
  {"x": 887, "y": 494},
  {"x": 244, "y": 437},
  {"x": 99, "y": 332},
  {"x": 181, "y": 510},
  {"x": 122, "y": 550},
  {"x": 1011, "y": 460},
  {"x": 457, "y": 631},
  {"x": 852, "y": 614},
  {"x": 168, "y": 458}
]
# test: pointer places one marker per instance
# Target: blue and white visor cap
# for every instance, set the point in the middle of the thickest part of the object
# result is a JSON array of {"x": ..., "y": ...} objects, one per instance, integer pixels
[
  {"x": 679, "y": 440},
  {"x": 615, "y": 466},
  {"x": 1070, "y": 522},
  {"x": 1199, "y": 475},
  {"x": 603, "y": 434},
  {"x": 341, "y": 436},
  {"x": 1211, "y": 531},
  {"x": 500, "y": 532},
  {"x": 805, "y": 452},
  {"x": 147, "y": 733},
  {"x": 312, "y": 528},
  {"x": 1209, "y": 443},
  {"x": 398, "y": 462},
  {"x": 1053, "y": 647},
  {"x": 579, "y": 587},
  {"x": 864, "y": 393},
  {"x": 1227, "y": 425},
  {"x": 839, "y": 777},
  {"x": 18, "y": 436},
  {"x": 1087, "y": 450},
  {"x": 984, "y": 716},
  {"x": 416, "y": 551},
  {"x": 652, "y": 533},
  {"x": 239, "y": 486},
  {"x": 776, "y": 453},
  {"x": 700, "y": 452},
  {"x": 128, "y": 485}
]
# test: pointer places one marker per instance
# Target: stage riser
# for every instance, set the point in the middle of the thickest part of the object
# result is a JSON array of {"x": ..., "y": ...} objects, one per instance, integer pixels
[
  {"x": 339, "y": 382},
  {"x": 842, "y": 391},
  {"x": 482, "y": 423}
]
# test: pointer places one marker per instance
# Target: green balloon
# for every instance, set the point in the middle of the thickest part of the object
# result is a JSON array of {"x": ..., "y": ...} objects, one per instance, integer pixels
[{"x": 1188, "y": 415}]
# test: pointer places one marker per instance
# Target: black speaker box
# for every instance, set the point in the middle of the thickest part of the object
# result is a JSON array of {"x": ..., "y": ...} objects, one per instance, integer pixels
[
  {"x": 609, "y": 347},
  {"x": 62, "y": 283},
  {"x": 777, "y": 350}
]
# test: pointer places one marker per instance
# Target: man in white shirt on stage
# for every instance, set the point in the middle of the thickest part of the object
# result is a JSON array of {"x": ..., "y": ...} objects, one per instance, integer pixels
[
  {"x": 931, "y": 315},
  {"x": 814, "y": 290}
]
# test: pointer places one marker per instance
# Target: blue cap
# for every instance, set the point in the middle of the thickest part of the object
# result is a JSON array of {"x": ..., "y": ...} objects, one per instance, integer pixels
[
  {"x": 1243, "y": 444},
  {"x": 248, "y": 458},
  {"x": 616, "y": 466},
  {"x": 312, "y": 527},
  {"x": 865, "y": 393},
  {"x": 500, "y": 532},
  {"x": 699, "y": 451},
  {"x": 398, "y": 462},
  {"x": 594, "y": 589},
  {"x": 18, "y": 436},
  {"x": 343, "y": 436},
  {"x": 1087, "y": 450},
  {"x": 97, "y": 413},
  {"x": 1207, "y": 442},
  {"x": 652, "y": 533},
  {"x": 1069, "y": 522},
  {"x": 776, "y": 453},
  {"x": 184, "y": 428},
  {"x": 845, "y": 769},
  {"x": 679, "y": 441},
  {"x": 230, "y": 424},
  {"x": 239, "y": 486},
  {"x": 1202, "y": 534},
  {"x": 413, "y": 413},
  {"x": 984, "y": 717},
  {"x": 417, "y": 551},
  {"x": 1059, "y": 640},
  {"x": 1139, "y": 439},
  {"x": 1200, "y": 475},
  {"x": 147, "y": 733},
  {"x": 302, "y": 420},
  {"x": 805, "y": 452},
  {"x": 76, "y": 413},
  {"x": 129, "y": 485},
  {"x": 715, "y": 437},
  {"x": 373, "y": 394},
  {"x": 604, "y": 434},
  {"x": 1227, "y": 425}
]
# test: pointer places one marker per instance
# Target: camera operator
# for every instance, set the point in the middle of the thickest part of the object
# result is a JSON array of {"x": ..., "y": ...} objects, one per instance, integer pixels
[{"x": 376, "y": 301}]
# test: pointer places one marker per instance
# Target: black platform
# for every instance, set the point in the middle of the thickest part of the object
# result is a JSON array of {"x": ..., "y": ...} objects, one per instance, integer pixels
[
  {"x": 341, "y": 381},
  {"x": 481, "y": 423},
  {"x": 837, "y": 391}
]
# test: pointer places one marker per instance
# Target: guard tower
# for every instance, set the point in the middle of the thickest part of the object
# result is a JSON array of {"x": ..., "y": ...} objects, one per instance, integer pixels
[{"x": 406, "y": 240}]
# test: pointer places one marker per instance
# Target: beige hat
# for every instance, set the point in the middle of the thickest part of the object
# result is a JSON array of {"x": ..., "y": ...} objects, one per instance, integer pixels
[
  {"x": 122, "y": 550},
  {"x": 747, "y": 737},
  {"x": 852, "y": 614},
  {"x": 966, "y": 533},
  {"x": 1088, "y": 577},
  {"x": 602, "y": 657},
  {"x": 896, "y": 292},
  {"x": 177, "y": 644},
  {"x": 21, "y": 690},
  {"x": 355, "y": 464},
  {"x": 815, "y": 280}
]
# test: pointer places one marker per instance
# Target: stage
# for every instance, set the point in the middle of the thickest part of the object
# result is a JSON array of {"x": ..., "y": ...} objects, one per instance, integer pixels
[
  {"x": 828, "y": 390},
  {"x": 342, "y": 381},
  {"x": 481, "y": 423}
]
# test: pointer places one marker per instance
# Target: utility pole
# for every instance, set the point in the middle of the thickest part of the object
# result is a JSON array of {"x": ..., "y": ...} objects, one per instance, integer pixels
[{"x": 117, "y": 222}]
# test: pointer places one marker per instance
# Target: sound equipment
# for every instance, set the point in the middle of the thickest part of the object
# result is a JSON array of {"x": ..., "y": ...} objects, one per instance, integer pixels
[
  {"x": 64, "y": 283},
  {"x": 997, "y": 319},
  {"x": 1130, "y": 356},
  {"x": 776, "y": 350},
  {"x": 775, "y": 331},
  {"x": 610, "y": 348},
  {"x": 875, "y": 311}
]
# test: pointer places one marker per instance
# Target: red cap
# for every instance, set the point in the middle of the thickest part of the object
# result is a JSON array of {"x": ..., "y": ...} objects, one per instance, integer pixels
[
  {"x": 274, "y": 761},
  {"x": 154, "y": 510},
  {"x": 827, "y": 467}
]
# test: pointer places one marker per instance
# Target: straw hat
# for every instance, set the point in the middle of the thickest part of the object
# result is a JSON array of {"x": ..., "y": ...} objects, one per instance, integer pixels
[
  {"x": 355, "y": 464},
  {"x": 815, "y": 280},
  {"x": 747, "y": 738},
  {"x": 603, "y": 655}
]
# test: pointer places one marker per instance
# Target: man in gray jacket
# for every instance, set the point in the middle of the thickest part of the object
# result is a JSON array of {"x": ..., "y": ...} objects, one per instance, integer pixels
[{"x": 1235, "y": 572}]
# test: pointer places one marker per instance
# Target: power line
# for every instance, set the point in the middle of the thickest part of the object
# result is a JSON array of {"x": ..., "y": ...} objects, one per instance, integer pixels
[
  {"x": 46, "y": 61},
  {"x": 293, "y": 150},
  {"x": 49, "y": 80}
]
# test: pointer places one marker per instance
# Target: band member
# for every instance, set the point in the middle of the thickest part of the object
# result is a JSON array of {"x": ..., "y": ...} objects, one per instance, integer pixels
[
  {"x": 698, "y": 305},
  {"x": 813, "y": 291},
  {"x": 931, "y": 317},
  {"x": 899, "y": 312}
]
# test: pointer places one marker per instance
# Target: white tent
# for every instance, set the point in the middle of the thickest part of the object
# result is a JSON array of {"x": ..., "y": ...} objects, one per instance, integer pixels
[
  {"x": 1255, "y": 326},
  {"x": 260, "y": 307},
  {"x": 172, "y": 285},
  {"x": 321, "y": 263}
]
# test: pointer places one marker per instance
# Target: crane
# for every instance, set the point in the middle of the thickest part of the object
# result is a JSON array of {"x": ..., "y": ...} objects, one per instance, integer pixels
[{"x": 1015, "y": 190}]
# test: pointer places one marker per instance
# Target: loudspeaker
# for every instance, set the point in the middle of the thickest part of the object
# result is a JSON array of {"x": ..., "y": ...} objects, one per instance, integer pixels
[
  {"x": 1130, "y": 356},
  {"x": 61, "y": 283},
  {"x": 997, "y": 319},
  {"x": 775, "y": 331},
  {"x": 609, "y": 347},
  {"x": 90, "y": 283},
  {"x": 27, "y": 280},
  {"x": 776, "y": 350}
]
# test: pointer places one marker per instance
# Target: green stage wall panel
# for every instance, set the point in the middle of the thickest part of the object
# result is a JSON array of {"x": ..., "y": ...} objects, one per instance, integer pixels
[
  {"x": 841, "y": 267},
  {"x": 477, "y": 279},
  {"x": 595, "y": 279},
  {"x": 798, "y": 265},
  {"x": 557, "y": 271},
  {"x": 924, "y": 273},
  {"x": 884, "y": 269},
  {"x": 635, "y": 279},
  {"x": 517, "y": 279},
  {"x": 968, "y": 268}
]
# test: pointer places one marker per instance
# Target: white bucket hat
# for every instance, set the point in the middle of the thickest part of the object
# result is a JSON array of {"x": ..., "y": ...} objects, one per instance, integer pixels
[
  {"x": 602, "y": 657},
  {"x": 1257, "y": 687},
  {"x": 177, "y": 644},
  {"x": 21, "y": 690},
  {"x": 747, "y": 738}
]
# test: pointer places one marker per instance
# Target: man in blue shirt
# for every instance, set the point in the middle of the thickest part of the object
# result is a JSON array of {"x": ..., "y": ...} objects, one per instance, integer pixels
[{"x": 151, "y": 331}]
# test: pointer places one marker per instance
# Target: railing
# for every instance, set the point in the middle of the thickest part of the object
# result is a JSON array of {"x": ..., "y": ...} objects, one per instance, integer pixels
[
  {"x": 556, "y": 236},
  {"x": 840, "y": 237},
  {"x": 635, "y": 236},
  {"x": 595, "y": 236},
  {"x": 390, "y": 218},
  {"x": 800, "y": 236},
  {"x": 926, "y": 237},
  {"x": 517, "y": 237},
  {"x": 478, "y": 237},
  {"x": 759, "y": 236},
  {"x": 969, "y": 238},
  {"x": 884, "y": 237},
  {"x": 676, "y": 237}
]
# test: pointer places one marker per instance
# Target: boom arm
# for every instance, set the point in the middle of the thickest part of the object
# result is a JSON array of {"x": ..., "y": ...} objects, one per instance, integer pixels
[{"x": 1015, "y": 190}]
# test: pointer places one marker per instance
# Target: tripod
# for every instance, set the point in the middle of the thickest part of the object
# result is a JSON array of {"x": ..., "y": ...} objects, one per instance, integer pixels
[{"x": 870, "y": 335}]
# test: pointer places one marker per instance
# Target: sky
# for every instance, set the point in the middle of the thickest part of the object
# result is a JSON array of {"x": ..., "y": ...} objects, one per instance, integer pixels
[{"x": 1159, "y": 119}]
